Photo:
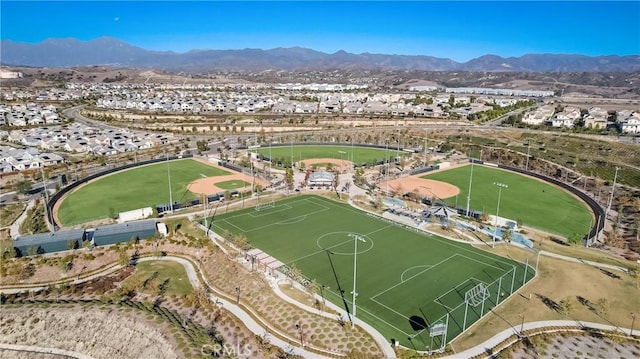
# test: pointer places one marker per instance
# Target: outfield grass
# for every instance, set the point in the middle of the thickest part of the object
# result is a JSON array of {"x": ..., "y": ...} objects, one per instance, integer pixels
[
  {"x": 233, "y": 184},
  {"x": 171, "y": 275},
  {"x": 131, "y": 189},
  {"x": 529, "y": 201},
  {"x": 358, "y": 154},
  {"x": 405, "y": 278}
]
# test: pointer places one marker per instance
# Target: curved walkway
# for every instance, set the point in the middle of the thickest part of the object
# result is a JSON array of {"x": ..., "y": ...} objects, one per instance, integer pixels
[
  {"x": 240, "y": 313},
  {"x": 497, "y": 339},
  {"x": 385, "y": 346},
  {"x": 259, "y": 328},
  {"x": 43, "y": 350},
  {"x": 14, "y": 229},
  {"x": 583, "y": 261}
]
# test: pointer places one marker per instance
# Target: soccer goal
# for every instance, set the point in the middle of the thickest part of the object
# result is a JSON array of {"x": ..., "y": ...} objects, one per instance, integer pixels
[
  {"x": 477, "y": 295},
  {"x": 265, "y": 205}
]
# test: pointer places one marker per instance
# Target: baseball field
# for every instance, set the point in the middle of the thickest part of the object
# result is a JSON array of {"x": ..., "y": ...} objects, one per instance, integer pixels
[
  {"x": 407, "y": 282},
  {"x": 354, "y": 154},
  {"x": 529, "y": 201},
  {"x": 131, "y": 189}
]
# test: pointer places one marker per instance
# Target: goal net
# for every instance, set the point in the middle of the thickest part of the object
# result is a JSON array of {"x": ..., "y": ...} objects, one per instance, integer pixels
[
  {"x": 264, "y": 205},
  {"x": 476, "y": 295}
]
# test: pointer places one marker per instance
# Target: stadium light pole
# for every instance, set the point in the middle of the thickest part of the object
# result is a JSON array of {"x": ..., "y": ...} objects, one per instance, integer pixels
[
  {"x": 469, "y": 194},
  {"x": 46, "y": 198},
  {"x": 495, "y": 229},
  {"x": 351, "y": 148},
  {"x": 425, "y": 150},
  {"x": 526, "y": 166},
  {"x": 205, "y": 215},
  {"x": 356, "y": 239},
  {"x": 169, "y": 180},
  {"x": 613, "y": 188},
  {"x": 633, "y": 321},
  {"x": 388, "y": 159}
]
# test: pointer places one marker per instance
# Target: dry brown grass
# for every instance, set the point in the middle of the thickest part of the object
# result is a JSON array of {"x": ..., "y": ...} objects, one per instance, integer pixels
[
  {"x": 558, "y": 280},
  {"x": 100, "y": 333}
]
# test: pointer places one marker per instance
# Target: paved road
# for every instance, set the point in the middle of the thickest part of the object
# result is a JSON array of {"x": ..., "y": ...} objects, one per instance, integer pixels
[{"x": 8, "y": 197}]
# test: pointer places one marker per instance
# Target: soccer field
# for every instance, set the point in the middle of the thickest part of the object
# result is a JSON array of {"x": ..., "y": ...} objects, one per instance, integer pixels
[
  {"x": 407, "y": 281},
  {"x": 529, "y": 201},
  {"x": 359, "y": 155},
  {"x": 131, "y": 189}
]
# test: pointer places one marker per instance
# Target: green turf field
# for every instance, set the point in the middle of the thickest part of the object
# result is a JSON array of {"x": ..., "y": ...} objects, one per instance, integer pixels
[
  {"x": 405, "y": 278},
  {"x": 171, "y": 276},
  {"x": 529, "y": 201},
  {"x": 131, "y": 189},
  {"x": 356, "y": 154},
  {"x": 233, "y": 184}
]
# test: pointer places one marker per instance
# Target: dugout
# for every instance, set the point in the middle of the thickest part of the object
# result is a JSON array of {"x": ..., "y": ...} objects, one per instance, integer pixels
[
  {"x": 49, "y": 242},
  {"x": 123, "y": 232}
]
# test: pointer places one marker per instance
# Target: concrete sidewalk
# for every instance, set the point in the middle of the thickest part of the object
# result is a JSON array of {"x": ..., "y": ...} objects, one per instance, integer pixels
[
  {"x": 15, "y": 227},
  {"x": 583, "y": 261},
  {"x": 485, "y": 347}
]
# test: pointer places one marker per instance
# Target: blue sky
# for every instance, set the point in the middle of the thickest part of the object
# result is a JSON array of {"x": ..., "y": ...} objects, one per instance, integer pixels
[{"x": 453, "y": 29}]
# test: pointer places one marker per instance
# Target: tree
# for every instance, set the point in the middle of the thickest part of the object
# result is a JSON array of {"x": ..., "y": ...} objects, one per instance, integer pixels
[
  {"x": 566, "y": 306},
  {"x": 202, "y": 146},
  {"x": 72, "y": 244},
  {"x": 311, "y": 287},
  {"x": 32, "y": 250},
  {"x": 507, "y": 234},
  {"x": 288, "y": 178},
  {"x": 484, "y": 217},
  {"x": 123, "y": 257},
  {"x": 602, "y": 306},
  {"x": 23, "y": 187},
  {"x": 295, "y": 275},
  {"x": 240, "y": 241}
]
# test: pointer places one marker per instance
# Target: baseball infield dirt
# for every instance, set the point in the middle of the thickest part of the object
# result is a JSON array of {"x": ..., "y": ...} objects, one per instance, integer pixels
[
  {"x": 344, "y": 165},
  {"x": 425, "y": 187}
]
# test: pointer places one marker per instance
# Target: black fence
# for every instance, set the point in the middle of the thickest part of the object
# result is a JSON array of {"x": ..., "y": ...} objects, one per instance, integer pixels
[
  {"x": 424, "y": 170},
  {"x": 593, "y": 205}
]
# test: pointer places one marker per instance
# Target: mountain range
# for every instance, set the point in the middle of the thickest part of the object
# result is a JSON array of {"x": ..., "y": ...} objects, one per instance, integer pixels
[{"x": 71, "y": 52}]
